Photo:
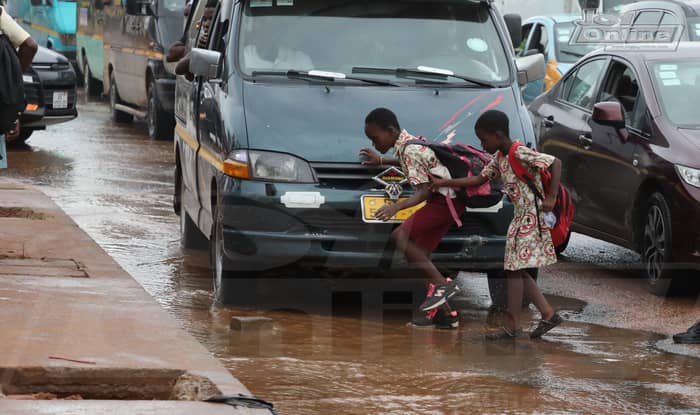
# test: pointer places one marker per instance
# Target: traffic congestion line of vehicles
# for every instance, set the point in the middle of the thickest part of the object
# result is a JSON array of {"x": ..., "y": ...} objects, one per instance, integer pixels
[{"x": 266, "y": 131}]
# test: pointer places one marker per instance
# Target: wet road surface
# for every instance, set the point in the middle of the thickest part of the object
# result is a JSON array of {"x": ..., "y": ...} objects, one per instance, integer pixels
[{"x": 356, "y": 355}]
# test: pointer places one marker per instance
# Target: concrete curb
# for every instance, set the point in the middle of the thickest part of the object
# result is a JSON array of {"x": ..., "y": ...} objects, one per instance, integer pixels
[{"x": 75, "y": 323}]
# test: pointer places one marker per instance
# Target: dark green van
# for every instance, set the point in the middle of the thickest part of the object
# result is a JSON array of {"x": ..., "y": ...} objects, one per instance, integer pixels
[{"x": 268, "y": 133}]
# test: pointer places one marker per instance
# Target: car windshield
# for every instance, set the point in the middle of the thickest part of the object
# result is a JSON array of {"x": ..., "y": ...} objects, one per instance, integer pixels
[
  {"x": 339, "y": 35},
  {"x": 566, "y": 52},
  {"x": 678, "y": 86}
]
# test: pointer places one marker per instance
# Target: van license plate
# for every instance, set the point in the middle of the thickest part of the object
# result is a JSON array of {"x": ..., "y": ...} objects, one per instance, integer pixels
[
  {"x": 60, "y": 99},
  {"x": 371, "y": 204}
]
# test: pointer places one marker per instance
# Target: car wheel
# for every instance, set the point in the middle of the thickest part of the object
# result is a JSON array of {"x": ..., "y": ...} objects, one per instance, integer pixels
[
  {"x": 93, "y": 87},
  {"x": 190, "y": 236},
  {"x": 161, "y": 124},
  {"x": 656, "y": 245},
  {"x": 498, "y": 289},
  {"x": 117, "y": 116}
]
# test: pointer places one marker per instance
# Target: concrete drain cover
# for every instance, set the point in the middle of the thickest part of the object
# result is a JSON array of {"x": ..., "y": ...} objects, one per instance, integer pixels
[
  {"x": 22, "y": 213},
  {"x": 44, "y": 267}
]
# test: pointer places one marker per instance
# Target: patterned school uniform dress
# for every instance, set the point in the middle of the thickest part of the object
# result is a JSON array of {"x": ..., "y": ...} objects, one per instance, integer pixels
[{"x": 527, "y": 245}]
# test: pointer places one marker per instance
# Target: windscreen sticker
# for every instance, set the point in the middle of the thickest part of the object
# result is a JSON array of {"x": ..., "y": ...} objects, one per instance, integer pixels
[
  {"x": 477, "y": 45},
  {"x": 668, "y": 67},
  {"x": 285, "y": 2},
  {"x": 668, "y": 75},
  {"x": 564, "y": 38},
  {"x": 261, "y": 3},
  {"x": 671, "y": 82}
]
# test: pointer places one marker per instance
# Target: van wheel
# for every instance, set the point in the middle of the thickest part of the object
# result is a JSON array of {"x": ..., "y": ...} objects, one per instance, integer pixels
[
  {"x": 161, "y": 124},
  {"x": 93, "y": 87},
  {"x": 498, "y": 289},
  {"x": 656, "y": 245},
  {"x": 117, "y": 116}
]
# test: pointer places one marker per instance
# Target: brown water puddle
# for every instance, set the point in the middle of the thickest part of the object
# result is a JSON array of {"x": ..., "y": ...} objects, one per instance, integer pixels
[{"x": 117, "y": 185}]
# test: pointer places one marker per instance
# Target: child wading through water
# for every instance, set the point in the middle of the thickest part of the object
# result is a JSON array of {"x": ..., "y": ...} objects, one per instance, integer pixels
[
  {"x": 529, "y": 243},
  {"x": 418, "y": 236}
]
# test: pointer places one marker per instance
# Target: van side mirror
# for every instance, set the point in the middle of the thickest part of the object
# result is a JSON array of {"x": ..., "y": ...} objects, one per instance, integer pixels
[
  {"x": 611, "y": 114},
  {"x": 205, "y": 63},
  {"x": 514, "y": 23},
  {"x": 530, "y": 68}
]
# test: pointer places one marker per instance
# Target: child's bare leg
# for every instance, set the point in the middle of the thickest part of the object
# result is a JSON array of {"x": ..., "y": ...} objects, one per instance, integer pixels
[
  {"x": 533, "y": 292},
  {"x": 515, "y": 296},
  {"x": 416, "y": 256}
]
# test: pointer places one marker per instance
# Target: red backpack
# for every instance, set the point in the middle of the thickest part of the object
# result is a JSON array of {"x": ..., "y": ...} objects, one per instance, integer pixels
[{"x": 564, "y": 206}]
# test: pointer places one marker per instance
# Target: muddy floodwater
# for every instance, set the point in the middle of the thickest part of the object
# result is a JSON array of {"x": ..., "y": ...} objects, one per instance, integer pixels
[{"x": 352, "y": 352}]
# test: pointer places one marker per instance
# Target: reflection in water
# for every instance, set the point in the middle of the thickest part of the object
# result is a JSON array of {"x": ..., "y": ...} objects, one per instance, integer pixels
[{"x": 332, "y": 355}]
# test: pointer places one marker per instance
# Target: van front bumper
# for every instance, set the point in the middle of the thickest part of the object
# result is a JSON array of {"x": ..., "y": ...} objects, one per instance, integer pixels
[{"x": 261, "y": 233}]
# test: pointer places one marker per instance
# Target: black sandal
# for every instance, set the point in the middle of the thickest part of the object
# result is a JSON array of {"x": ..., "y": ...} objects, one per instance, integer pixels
[{"x": 546, "y": 325}]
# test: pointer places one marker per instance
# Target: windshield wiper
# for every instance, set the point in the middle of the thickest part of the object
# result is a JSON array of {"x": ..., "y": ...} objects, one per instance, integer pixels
[
  {"x": 575, "y": 54},
  {"x": 322, "y": 76},
  {"x": 422, "y": 72}
]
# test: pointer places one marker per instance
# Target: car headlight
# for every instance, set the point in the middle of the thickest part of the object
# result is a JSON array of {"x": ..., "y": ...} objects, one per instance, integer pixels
[
  {"x": 689, "y": 175},
  {"x": 267, "y": 165}
]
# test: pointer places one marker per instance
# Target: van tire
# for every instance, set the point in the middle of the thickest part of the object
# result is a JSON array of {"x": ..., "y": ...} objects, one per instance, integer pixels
[
  {"x": 93, "y": 87},
  {"x": 498, "y": 288},
  {"x": 117, "y": 116},
  {"x": 161, "y": 124}
]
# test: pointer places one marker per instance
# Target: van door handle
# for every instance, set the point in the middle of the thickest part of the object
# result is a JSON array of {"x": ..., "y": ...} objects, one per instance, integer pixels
[
  {"x": 585, "y": 140},
  {"x": 548, "y": 121}
]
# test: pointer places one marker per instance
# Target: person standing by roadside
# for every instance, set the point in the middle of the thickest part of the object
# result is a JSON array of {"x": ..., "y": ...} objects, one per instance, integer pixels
[
  {"x": 529, "y": 243},
  {"x": 12, "y": 64},
  {"x": 418, "y": 236}
]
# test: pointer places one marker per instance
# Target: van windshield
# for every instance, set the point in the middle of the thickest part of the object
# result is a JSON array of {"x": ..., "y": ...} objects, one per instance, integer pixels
[{"x": 339, "y": 35}]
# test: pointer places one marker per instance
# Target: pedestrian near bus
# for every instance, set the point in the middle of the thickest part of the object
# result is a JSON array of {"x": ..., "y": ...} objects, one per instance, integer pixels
[
  {"x": 421, "y": 233},
  {"x": 12, "y": 63},
  {"x": 529, "y": 243}
]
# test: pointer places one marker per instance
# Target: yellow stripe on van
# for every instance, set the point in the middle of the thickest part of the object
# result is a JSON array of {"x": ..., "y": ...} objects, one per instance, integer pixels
[
  {"x": 140, "y": 52},
  {"x": 38, "y": 27},
  {"x": 210, "y": 158}
]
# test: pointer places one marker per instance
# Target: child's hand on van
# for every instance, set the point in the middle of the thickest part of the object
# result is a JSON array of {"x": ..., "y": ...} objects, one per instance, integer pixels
[
  {"x": 387, "y": 212},
  {"x": 371, "y": 156}
]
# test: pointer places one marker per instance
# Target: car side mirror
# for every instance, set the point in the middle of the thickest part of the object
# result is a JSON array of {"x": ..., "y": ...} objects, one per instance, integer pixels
[
  {"x": 205, "y": 63},
  {"x": 530, "y": 68},
  {"x": 611, "y": 114},
  {"x": 514, "y": 23},
  {"x": 530, "y": 52}
]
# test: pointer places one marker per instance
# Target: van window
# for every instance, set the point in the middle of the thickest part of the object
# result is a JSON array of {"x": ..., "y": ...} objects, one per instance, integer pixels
[{"x": 338, "y": 35}]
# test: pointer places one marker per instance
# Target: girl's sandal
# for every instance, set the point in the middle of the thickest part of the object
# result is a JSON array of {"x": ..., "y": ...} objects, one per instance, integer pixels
[
  {"x": 504, "y": 333},
  {"x": 546, "y": 325}
]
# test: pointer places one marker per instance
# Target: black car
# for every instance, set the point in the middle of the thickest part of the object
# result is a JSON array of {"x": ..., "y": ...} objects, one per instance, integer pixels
[
  {"x": 50, "y": 91},
  {"x": 268, "y": 133},
  {"x": 626, "y": 127}
]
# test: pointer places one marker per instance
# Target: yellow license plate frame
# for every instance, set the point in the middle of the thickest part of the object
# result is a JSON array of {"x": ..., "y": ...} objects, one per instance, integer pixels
[{"x": 371, "y": 203}]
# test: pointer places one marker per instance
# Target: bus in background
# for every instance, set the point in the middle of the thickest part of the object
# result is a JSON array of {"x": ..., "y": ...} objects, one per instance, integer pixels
[
  {"x": 136, "y": 77},
  {"x": 532, "y": 8},
  {"x": 90, "y": 44},
  {"x": 50, "y": 22}
]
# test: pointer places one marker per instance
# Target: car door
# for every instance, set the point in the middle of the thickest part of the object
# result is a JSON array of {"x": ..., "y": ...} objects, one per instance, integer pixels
[
  {"x": 613, "y": 156},
  {"x": 213, "y": 148},
  {"x": 186, "y": 117},
  {"x": 564, "y": 131}
]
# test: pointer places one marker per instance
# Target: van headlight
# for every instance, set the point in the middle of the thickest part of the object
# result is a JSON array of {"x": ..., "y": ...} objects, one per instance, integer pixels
[
  {"x": 689, "y": 175},
  {"x": 279, "y": 167}
]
